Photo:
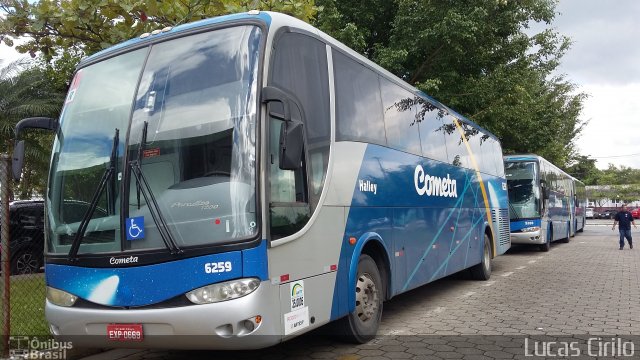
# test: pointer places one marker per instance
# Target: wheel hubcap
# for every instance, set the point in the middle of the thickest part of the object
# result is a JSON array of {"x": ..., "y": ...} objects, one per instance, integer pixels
[
  {"x": 367, "y": 297},
  {"x": 26, "y": 264}
]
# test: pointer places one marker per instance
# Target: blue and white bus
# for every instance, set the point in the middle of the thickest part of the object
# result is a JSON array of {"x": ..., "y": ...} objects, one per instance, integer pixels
[
  {"x": 249, "y": 175},
  {"x": 543, "y": 202}
]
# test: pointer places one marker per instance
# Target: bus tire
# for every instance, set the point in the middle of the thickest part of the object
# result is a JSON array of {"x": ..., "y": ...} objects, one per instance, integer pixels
[
  {"x": 547, "y": 245},
  {"x": 362, "y": 324},
  {"x": 482, "y": 271}
]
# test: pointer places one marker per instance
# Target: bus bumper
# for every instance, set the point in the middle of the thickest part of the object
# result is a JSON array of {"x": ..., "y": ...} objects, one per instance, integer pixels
[
  {"x": 529, "y": 237},
  {"x": 224, "y": 325}
]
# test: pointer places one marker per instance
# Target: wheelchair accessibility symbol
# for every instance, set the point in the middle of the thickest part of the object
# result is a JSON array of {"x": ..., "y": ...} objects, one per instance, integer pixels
[{"x": 135, "y": 228}]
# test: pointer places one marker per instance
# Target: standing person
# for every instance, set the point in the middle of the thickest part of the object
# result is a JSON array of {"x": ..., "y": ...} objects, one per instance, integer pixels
[{"x": 624, "y": 219}]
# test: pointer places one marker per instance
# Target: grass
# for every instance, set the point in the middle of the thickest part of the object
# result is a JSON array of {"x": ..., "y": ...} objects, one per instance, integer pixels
[{"x": 27, "y": 305}]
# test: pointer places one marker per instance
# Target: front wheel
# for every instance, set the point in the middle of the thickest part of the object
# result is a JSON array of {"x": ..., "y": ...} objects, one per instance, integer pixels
[
  {"x": 482, "y": 271},
  {"x": 361, "y": 325},
  {"x": 25, "y": 262},
  {"x": 547, "y": 245}
]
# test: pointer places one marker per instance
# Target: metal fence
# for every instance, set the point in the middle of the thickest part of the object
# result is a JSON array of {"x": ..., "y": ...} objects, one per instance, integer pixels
[{"x": 22, "y": 286}]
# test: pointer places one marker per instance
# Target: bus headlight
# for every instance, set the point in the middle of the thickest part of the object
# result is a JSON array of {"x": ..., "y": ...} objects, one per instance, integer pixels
[
  {"x": 223, "y": 291},
  {"x": 60, "y": 298},
  {"x": 531, "y": 229}
]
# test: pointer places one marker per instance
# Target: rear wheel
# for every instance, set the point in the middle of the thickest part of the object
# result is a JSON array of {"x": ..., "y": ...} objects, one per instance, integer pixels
[
  {"x": 568, "y": 238},
  {"x": 362, "y": 324},
  {"x": 482, "y": 271}
]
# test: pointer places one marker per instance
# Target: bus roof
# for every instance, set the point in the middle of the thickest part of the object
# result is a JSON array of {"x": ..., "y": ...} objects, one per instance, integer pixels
[
  {"x": 522, "y": 157},
  {"x": 262, "y": 16},
  {"x": 534, "y": 157},
  {"x": 277, "y": 20}
]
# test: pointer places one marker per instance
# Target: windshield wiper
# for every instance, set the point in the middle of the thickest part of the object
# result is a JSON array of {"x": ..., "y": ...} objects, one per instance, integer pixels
[
  {"x": 142, "y": 186},
  {"x": 106, "y": 176}
]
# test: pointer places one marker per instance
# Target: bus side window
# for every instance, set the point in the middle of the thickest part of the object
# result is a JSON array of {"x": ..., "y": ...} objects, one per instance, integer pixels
[
  {"x": 497, "y": 158},
  {"x": 432, "y": 131},
  {"x": 358, "y": 102},
  {"x": 476, "y": 140},
  {"x": 400, "y": 118},
  {"x": 456, "y": 149},
  {"x": 289, "y": 207},
  {"x": 299, "y": 68}
]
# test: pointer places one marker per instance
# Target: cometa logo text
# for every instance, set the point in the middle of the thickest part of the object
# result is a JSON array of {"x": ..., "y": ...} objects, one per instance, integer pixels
[
  {"x": 127, "y": 260},
  {"x": 433, "y": 185}
]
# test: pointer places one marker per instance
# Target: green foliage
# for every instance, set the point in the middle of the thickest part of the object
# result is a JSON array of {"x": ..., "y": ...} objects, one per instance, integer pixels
[
  {"x": 26, "y": 91},
  {"x": 584, "y": 168},
  {"x": 362, "y": 25},
  {"x": 88, "y": 26},
  {"x": 619, "y": 176},
  {"x": 621, "y": 183}
]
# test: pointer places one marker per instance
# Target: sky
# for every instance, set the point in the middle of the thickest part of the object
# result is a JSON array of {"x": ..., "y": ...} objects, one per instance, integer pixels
[{"x": 604, "y": 62}]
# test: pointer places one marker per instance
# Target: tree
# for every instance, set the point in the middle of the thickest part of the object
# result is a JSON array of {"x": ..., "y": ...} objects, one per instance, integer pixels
[
  {"x": 87, "y": 26},
  {"x": 25, "y": 91},
  {"x": 619, "y": 176},
  {"x": 584, "y": 168},
  {"x": 364, "y": 26},
  {"x": 628, "y": 193}
]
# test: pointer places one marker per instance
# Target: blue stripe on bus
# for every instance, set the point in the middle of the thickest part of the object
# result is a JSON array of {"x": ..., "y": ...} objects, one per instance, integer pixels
[
  {"x": 150, "y": 284},
  {"x": 425, "y": 237},
  {"x": 517, "y": 225}
]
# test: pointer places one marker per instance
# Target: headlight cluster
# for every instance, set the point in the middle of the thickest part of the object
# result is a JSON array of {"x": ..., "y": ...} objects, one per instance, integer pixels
[
  {"x": 60, "y": 298},
  {"x": 223, "y": 291},
  {"x": 531, "y": 229}
]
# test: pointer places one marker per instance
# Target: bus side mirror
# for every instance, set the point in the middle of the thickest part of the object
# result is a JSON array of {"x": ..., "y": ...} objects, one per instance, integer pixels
[
  {"x": 36, "y": 123},
  {"x": 271, "y": 94},
  {"x": 17, "y": 160},
  {"x": 545, "y": 190},
  {"x": 291, "y": 143}
]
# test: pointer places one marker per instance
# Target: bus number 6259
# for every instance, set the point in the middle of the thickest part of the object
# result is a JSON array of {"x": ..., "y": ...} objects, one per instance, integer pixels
[{"x": 217, "y": 267}]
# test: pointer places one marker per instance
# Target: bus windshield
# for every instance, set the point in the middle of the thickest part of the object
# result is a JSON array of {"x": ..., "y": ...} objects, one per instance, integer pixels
[
  {"x": 524, "y": 192},
  {"x": 195, "y": 97}
]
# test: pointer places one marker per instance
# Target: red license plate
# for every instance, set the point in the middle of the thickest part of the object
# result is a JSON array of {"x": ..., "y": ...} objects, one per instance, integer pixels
[{"x": 125, "y": 332}]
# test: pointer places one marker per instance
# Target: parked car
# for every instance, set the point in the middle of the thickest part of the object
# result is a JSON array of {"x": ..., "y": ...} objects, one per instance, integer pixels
[
  {"x": 608, "y": 214},
  {"x": 26, "y": 236},
  {"x": 597, "y": 214},
  {"x": 588, "y": 213},
  {"x": 635, "y": 213}
]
